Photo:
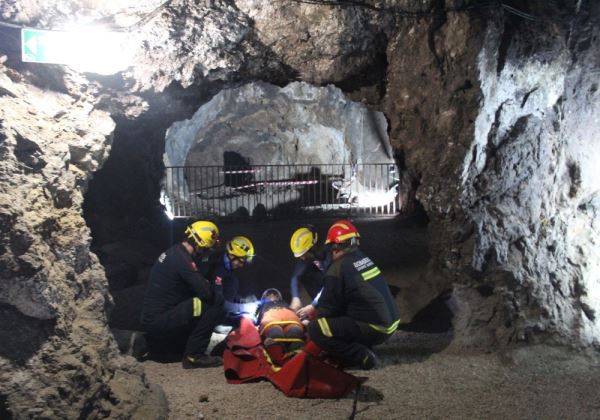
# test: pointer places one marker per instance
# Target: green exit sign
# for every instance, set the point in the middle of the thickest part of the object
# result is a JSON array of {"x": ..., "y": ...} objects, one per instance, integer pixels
[
  {"x": 40, "y": 46},
  {"x": 86, "y": 49}
]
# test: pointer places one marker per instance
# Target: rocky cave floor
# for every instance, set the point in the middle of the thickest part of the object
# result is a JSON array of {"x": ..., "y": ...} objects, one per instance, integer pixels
[
  {"x": 422, "y": 374},
  {"x": 419, "y": 378}
]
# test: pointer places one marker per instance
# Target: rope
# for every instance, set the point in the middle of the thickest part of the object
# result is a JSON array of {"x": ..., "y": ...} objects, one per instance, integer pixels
[
  {"x": 517, "y": 12},
  {"x": 355, "y": 402},
  {"x": 416, "y": 14}
]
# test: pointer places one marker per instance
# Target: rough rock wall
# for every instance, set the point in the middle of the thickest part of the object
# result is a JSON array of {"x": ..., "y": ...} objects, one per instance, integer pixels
[
  {"x": 57, "y": 358},
  {"x": 341, "y": 45},
  {"x": 531, "y": 179},
  {"x": 503, "y": 153},
  {"x": 432, "y": 102},
  {"x": 192, "y": 42},
  {"x": 248, "y": 39},
  {"x": 267, "y": 125}
]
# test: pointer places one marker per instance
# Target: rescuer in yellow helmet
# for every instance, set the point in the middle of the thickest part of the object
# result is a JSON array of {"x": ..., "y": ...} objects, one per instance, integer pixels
[
  {"x": 238, "y": 252},
  {"x": 310, "y": 265},
  {"x": 181, "y": 307}
]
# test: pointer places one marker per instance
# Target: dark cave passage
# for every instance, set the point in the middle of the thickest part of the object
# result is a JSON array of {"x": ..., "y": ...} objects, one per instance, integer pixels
[
  {"x": 130, "y": 228},
  {"x": 399, "y": 249}
]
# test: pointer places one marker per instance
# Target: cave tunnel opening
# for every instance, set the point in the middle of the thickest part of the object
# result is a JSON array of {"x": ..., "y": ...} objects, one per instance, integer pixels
[{"x": 130, "y": 228}]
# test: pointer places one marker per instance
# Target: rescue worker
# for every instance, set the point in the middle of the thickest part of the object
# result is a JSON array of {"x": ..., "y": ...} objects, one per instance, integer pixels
[
  {"x": 356, "y": 309},
  {"x": 310, "y": 266},
  {"x": 238, "y": 252},
  {"x": 180, "y": 304}
]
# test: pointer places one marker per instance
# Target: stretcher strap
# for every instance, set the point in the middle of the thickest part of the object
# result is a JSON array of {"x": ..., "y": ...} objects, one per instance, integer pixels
[
  {"x": 280, "y": 323},
  {"x": 274, "y": 366},
  {"x": 287, "y": 340}
]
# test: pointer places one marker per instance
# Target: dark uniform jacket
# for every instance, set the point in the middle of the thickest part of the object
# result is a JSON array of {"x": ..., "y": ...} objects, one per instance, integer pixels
[
  {"x": 310, "y": 273},
  {"x": 227, "y": 282},
  {"x": 219, "y": 271},
  {"x": 355, "y": 287},
  {"x": 174, "y": 278}
]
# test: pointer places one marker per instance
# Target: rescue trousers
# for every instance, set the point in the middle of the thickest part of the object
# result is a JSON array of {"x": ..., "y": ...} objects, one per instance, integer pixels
[
  {"x": 186, "y": 327},
  {"x": 344, "y": 338}
]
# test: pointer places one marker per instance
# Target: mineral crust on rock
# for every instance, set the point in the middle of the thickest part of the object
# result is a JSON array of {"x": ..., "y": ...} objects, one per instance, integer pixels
[{"x": 57, "y": 358}]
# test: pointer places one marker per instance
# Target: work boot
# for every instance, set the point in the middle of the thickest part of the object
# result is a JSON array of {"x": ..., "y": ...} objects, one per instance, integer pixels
[
  {"x": 369, "y": 361},
  {"x": 200, "y": 361}
]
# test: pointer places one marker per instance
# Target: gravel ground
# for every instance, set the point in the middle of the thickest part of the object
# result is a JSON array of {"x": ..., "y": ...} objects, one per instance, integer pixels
[{"x": 418, "y": 379}]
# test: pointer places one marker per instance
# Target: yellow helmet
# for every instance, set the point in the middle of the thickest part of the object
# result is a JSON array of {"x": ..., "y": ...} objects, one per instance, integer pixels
[
  {"x": 205, "y": 234},
  {"x": 303, "y": 239},
  {"x": 241, "y": 247}
]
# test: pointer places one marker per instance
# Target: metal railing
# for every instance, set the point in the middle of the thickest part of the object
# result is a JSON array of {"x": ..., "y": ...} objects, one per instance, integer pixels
[{"x": 281, "y": 191}]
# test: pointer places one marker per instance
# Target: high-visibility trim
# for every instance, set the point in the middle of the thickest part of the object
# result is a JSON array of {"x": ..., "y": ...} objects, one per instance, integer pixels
[
  {"x": 197, "y": 311},
  {"x": 324, "y": 327},
  {"x": 287, "y": 340},
  {"x": 342, "y": 238},
  {"x": 368, "y": 275},
  {"x": 282, "y": 323},
  {"x": 384, "y": 330}
]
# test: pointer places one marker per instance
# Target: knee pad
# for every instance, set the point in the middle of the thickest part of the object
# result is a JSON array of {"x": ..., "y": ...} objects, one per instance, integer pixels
[
  {"x": 274, "y": 331},
  {"x": 294, "y": 331}
]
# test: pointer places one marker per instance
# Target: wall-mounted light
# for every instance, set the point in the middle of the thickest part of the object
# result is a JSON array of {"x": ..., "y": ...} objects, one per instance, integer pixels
[{"x": 86, "y": 49}]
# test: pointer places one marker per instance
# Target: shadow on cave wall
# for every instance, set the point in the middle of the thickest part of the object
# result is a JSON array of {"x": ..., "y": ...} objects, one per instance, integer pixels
[
  {"x": 4, "y": 413},
  {"x": 122, "y": 201},
  {"x": 32, "y": 334},
  {"x": 429, "y": 332}
]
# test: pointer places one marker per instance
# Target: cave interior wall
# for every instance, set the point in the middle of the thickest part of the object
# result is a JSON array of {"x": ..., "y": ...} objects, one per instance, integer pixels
[{"x": 494, "y": 115}]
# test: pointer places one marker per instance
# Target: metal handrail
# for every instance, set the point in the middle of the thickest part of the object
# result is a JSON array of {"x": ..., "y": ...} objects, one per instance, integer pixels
[{"x": 280, "y": 191}]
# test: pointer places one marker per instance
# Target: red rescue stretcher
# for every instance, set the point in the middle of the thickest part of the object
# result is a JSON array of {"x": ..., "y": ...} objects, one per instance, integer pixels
[{"x": 304, "y": 374}]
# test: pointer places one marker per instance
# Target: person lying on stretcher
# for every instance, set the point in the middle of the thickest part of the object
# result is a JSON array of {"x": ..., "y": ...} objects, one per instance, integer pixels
[{"x": 277, "y": 323}]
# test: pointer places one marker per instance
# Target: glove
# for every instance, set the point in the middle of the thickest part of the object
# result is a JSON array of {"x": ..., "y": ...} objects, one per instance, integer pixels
[
  {"x": 249, "y": 307},
  {"x": 248, "y": 299}
]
